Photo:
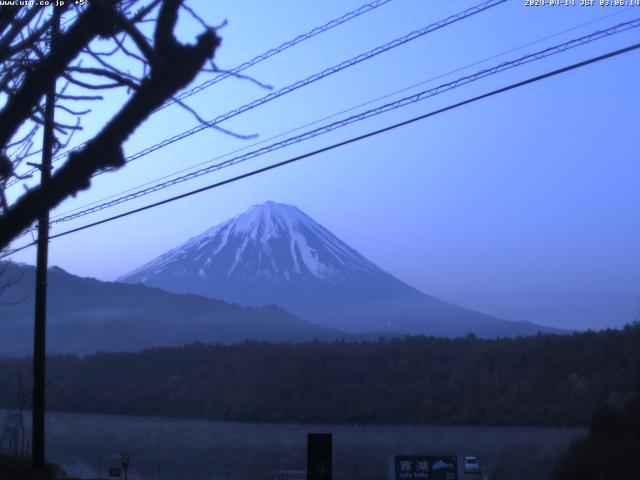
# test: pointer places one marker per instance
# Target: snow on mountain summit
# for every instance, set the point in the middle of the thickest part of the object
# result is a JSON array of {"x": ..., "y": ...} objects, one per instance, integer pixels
[
  {"x": 274, "y": 254},
  {"x": 267, "y": 241}
]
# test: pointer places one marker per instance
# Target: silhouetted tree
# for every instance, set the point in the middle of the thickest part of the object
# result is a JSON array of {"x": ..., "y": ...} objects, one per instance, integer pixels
[{"x": 86, "y": 58}]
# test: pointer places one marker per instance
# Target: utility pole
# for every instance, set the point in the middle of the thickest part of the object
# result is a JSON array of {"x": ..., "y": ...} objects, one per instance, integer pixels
[{"x": 40, "y": 321}]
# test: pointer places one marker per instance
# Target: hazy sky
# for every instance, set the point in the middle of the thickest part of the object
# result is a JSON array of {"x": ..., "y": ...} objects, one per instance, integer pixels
[{"x": 524, "y": 206}]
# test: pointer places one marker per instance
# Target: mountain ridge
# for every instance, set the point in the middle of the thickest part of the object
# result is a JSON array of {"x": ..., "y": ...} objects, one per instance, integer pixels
[
  {"x": 276, "y": 254},
  {"x": 86, "y": 315}
]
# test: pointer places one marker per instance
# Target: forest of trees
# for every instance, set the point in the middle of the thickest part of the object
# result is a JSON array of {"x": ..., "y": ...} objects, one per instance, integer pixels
[{"x": 540, "y": 380}]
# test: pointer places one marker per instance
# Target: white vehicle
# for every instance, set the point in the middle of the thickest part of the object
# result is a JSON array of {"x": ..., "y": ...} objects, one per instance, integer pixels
[{"x": 471, "y": 465}]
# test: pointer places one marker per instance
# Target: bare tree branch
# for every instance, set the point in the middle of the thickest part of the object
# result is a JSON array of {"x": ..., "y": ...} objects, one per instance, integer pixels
[
  {"x": 93, "y": 22},
  {"x": 168, "y": 67}
]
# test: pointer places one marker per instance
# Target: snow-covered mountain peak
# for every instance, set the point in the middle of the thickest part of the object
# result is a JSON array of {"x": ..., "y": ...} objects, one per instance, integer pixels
[
  {"x": 269, "y": 241},
  {"x": 264, "y": 221},
  {"x": 274, "y": 254}
]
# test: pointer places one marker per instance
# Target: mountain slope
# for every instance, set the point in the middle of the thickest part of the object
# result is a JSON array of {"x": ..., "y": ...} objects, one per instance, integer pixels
[
  {"x": 276, "y": 254},
  {"x": 87, "y": 315}
]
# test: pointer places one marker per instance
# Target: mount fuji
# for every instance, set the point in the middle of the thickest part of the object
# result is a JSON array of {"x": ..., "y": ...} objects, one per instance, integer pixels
[{"x": 274, "y": 254}]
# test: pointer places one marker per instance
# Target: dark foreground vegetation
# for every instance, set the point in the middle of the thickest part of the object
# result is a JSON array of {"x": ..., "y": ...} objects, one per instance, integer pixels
[
  {"x": 611, "y": 450},
  {"x": 540, "y": 380},
  {"x": 20, "y": 469}
]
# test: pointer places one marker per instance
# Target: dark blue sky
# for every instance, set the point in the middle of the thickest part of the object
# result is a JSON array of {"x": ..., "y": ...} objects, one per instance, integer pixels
[{"x": 523, "y": 206}]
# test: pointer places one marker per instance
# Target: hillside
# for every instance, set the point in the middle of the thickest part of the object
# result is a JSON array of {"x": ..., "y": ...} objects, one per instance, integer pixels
[{"x": 86, "y": 315}]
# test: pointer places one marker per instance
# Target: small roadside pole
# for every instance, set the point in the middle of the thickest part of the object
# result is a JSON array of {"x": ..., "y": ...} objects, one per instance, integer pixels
[
  {"x": 319, "y": 456},
  {"x": 114, "y": 472},
  {"x": 124, "y": 461},
  {"x": 40, "y": 316}
]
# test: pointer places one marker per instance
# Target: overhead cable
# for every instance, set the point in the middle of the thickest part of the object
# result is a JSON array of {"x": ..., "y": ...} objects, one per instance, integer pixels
[
  {"x": 254, "y": 61},
  {"x": 359, "y": 117},
  {"x": 307, "y": 81},
  {"x": 341, "y": 112},
  {"x": 274, "y": 166}
]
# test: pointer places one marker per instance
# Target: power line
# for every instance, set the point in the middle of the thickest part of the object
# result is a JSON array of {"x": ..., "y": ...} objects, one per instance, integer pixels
[
  {"x": 319, "y": 76},
  {"x": 243, "y": 66},
  {"x": 350, "y": 109},
  {"x": 274, "y": 51},
  {"x": 492, "y": 93},
  {"x": 360, "y": 117},
  {"x": 311, "y": 79}
]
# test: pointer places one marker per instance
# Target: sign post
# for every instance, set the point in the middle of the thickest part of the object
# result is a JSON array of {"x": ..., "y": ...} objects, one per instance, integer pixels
[
  {"x": 124, "y": 461},
  {"x": 319, "y": 458}
]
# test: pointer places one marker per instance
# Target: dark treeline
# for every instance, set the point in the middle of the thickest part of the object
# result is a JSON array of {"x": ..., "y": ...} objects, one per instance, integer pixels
[
  {"x": 541, "y": 380},
  {"x": 12, "y": 468}
]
